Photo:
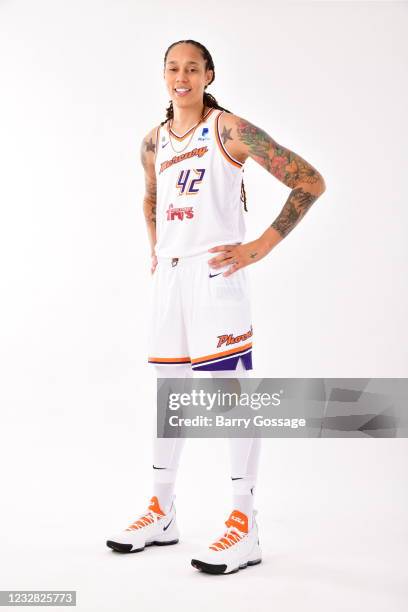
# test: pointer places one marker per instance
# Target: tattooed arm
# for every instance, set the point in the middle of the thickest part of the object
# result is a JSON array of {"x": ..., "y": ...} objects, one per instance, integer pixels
[
  {"x": 243, "y": 139},
  {"x": 147, "y": 155}
]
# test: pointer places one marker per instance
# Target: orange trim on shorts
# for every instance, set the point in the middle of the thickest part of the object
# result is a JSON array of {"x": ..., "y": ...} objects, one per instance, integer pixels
[
  {"x": 170, "y": 359},
  {"x": 238, "y": 349}
]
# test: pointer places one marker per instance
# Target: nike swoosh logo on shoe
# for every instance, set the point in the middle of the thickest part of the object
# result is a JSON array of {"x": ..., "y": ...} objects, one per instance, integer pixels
[
  {"x": 166, "y": 527},
  {"x": 212, "y": 275}
]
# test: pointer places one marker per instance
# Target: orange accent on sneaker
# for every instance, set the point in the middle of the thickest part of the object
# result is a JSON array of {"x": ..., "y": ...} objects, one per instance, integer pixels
[
  {"x": 239, "y": 520},
  {"x": 236, "y": 520},
  {"x": 155, "y": 506},
  {"x": 227, "y": 540},
  {"x": 147, "y": 519}
]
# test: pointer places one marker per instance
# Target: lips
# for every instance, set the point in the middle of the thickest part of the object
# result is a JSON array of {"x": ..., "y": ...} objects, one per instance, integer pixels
[{"x": 182, "y": 93}]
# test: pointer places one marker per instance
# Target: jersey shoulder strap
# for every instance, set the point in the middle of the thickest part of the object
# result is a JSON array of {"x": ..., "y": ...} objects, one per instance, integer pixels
[
  {"x": 157, "y": 141},
  {"x": 218, "y": 137}
]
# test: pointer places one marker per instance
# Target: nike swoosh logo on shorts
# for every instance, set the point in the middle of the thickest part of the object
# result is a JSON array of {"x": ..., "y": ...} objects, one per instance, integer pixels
[
  {"x": 165, "y": 144},
  {"x": 167, "y": 526},
  {"x": 212, "y": 275}
]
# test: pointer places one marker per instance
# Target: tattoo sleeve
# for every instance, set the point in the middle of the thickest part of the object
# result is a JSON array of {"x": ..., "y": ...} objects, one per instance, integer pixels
[
  {"x": 149, "y": 201},
  {"x": 306, "y": 182},
  {"x": 296, "y": 206}
]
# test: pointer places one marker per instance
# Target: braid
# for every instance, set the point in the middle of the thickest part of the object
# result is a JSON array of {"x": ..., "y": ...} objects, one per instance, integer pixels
[{"x": 208, "y": 99}]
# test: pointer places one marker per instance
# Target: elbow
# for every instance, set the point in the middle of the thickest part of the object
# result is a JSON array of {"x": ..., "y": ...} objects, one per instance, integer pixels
[
  {"x": 321, "y": 185},
  {"x": 315, "y": 184}
]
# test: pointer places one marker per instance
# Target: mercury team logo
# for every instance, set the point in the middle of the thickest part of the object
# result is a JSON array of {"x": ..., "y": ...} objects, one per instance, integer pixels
[
  {"x": 196, "y": 152},
  {"x": 228, "y": 339}
]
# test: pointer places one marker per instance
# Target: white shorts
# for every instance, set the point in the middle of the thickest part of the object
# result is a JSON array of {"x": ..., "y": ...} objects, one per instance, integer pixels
[{"x": 198, "y": 316}]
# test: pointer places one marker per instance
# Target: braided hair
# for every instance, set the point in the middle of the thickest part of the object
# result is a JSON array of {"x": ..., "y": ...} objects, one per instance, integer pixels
[{"x": 208, "y": 99}]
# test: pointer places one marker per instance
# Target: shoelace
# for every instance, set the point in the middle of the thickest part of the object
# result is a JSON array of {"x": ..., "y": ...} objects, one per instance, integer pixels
[
  {"x": 147, "y": 519},
  {"x": 230, "y": 537}
]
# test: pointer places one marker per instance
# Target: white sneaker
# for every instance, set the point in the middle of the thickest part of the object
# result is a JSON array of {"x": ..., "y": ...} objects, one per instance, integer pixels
[
  {"x": 237, "y": 548},
  {"x": 153, "y": 527}
]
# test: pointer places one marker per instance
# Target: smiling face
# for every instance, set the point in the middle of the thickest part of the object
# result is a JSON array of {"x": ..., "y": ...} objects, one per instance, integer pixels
[{"x": 186, "y": 75}]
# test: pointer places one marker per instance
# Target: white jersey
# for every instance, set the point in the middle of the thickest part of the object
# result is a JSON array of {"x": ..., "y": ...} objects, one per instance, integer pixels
[{"x": 198, "y": 191}]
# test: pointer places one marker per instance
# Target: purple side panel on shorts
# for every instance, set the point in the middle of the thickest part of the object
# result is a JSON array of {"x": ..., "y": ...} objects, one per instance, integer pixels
[
  {"x": 247, "y": 360},
  {"x": 228, "y": 364}
]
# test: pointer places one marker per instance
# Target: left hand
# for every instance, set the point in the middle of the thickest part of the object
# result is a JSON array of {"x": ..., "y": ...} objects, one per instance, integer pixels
[{"x": 238, "y": 255}]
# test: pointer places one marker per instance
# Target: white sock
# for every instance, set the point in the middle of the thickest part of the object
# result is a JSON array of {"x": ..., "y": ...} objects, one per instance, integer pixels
[
  {"x": 244, "y": 458},
  {"x": 244, "y": 453},
  {"x": 167, "y": 451},
  {"x": 166, "y": 455}
]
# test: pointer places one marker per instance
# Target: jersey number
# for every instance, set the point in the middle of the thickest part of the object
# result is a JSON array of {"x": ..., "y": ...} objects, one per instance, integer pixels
[{"x": 186, "y": 185}]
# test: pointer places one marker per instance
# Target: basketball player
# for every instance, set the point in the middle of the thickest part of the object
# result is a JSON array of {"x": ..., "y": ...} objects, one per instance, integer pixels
[{"x": 201, "y": 320}]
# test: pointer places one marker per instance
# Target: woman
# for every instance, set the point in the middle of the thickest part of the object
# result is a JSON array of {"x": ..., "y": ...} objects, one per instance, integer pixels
[{"x": 193, "y": 163}]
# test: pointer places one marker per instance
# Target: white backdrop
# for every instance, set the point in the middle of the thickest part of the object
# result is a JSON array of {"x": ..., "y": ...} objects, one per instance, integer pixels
[{"x": 81, "y": 84}]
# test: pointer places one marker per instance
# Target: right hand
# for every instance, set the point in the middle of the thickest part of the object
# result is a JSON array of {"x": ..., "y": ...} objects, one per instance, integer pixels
[{"x": 153, "y": 263}]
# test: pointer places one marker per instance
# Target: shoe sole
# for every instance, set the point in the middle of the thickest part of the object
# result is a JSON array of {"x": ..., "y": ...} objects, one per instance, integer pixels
[
  {"x": 210, "y": 568},
  {"x": 127, "y": 548}
]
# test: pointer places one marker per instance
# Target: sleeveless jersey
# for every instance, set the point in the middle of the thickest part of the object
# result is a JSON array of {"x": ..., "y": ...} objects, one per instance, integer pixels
[{"x": 198, "y": 200}]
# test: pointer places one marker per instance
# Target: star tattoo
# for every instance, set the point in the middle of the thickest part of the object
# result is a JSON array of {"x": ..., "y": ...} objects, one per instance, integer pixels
[
  {"x": 150, "y": 146},
  {"x": 226, "y": 135}
]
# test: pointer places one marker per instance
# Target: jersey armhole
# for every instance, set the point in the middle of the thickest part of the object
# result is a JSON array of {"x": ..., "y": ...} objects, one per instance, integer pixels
[
  {"x": 226, "y": 155},
  {"x": 157, "y": 142}
]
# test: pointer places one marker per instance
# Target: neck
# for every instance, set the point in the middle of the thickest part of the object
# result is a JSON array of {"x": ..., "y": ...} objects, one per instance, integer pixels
[{"x": 185, "y": 118}]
